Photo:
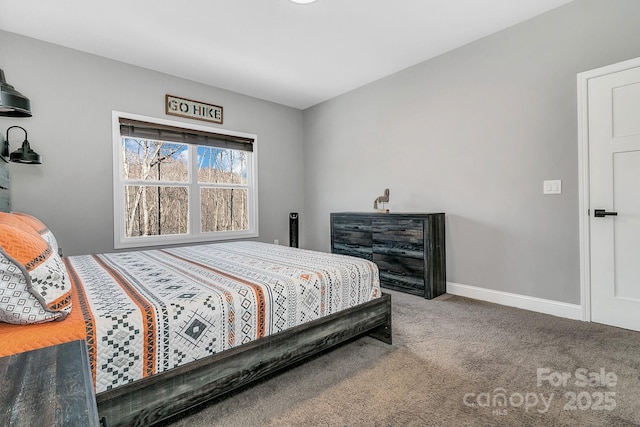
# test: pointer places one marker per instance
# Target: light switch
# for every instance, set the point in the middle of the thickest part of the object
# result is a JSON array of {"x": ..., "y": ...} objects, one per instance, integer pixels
[{"x": 552, "y": 187}]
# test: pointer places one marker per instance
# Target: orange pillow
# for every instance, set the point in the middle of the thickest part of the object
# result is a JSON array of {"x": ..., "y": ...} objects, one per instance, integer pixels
[
  {"x": 28, "y": 222},
  {"x": 28, "y": 248},
  {"x": 40, "y": 227},
  {"x": 31, "y": 221},
  {"x": 17, "y": 222}
]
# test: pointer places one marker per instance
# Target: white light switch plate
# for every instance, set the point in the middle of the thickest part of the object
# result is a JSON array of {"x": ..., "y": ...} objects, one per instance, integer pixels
[{"x": 552, "y": 187}]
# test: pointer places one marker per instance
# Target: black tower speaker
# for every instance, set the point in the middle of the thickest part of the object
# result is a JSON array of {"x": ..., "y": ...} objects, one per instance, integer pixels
[{"x": 293, "y": 229}]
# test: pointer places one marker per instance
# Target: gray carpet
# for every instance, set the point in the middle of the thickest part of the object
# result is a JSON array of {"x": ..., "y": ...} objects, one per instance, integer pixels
[{"x": 454, "y": 362}]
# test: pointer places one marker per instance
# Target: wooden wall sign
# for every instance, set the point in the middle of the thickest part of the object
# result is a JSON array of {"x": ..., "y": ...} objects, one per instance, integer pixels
[{"x": 182, "y": 107}]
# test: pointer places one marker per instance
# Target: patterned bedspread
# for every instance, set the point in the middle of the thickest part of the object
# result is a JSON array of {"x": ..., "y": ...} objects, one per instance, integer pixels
[{"x": 149, "y": 311}]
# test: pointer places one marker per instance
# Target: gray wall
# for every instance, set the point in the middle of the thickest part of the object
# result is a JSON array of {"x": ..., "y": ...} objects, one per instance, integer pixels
[
  {"x": 474, "y": 133},
  {"x": 72, "y": 95}
]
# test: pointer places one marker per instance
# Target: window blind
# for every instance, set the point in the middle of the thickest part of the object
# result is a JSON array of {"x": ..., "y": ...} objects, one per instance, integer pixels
[{"x": 145, "y": 130}]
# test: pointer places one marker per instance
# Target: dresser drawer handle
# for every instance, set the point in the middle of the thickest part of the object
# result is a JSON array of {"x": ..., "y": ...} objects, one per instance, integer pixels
[{"x": 352, "y": 245}]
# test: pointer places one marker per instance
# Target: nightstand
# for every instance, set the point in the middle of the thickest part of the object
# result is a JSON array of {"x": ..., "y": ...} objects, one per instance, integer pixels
[{"x": 51, "y": 386}]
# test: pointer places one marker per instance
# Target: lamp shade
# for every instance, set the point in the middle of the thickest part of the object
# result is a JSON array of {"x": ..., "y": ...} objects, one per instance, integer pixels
[
  {"x": 12, "y": 102},
  {"x": 25, "y": 154}
]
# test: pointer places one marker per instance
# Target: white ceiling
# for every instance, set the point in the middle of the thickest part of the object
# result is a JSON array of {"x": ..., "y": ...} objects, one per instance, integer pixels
[{"x": 296, "y": 55}]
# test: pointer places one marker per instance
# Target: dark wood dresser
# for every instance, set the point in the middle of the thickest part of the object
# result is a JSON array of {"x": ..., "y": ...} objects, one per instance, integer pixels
[
  {"x": 408, "y": 248},
  {"x": 51, "y": 386}
]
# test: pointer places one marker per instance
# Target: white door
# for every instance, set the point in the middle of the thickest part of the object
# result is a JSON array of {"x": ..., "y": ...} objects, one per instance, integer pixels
[{"x": 614, "y": 211}]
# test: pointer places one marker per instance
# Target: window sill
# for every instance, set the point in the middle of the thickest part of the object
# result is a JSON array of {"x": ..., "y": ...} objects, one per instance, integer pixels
[{"x": 153, "y": 241}]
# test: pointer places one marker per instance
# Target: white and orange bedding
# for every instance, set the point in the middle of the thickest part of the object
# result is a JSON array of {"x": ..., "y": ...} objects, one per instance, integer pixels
[{"x": 149, "y": 311}]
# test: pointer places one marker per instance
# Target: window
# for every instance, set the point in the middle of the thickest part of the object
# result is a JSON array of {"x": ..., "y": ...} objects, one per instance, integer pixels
[{"x": 178, "y": 184}]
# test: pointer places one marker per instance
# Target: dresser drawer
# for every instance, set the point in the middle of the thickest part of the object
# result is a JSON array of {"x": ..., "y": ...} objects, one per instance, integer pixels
[
  {"x": 399, "y": 249},
  {"x": 355, "y": 237},
  {"x": 348, "y": 225},
  {"x": 400, "y": 265},
  {"x": 401, "y": 238},
  {"x": 410, "y": 284},
  {"x": 353, "y": 249},
  {"x": 412, "y": 228},
  {"x": 401, "y": 273}
]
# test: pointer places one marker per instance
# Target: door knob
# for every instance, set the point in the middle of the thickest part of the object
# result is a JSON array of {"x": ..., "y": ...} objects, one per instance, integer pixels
[{"x": 600, "y": 213}]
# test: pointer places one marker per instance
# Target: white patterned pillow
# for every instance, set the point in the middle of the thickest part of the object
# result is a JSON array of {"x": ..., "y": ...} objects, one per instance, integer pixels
[{"x": 34, "y": 287}]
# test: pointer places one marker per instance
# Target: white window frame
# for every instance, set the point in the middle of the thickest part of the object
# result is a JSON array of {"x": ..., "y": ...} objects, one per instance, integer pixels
[{"x": 194, "y": 234}]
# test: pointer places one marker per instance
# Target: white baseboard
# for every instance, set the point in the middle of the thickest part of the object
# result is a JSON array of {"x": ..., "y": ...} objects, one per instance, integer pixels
[{"x": 555, "y": 308}]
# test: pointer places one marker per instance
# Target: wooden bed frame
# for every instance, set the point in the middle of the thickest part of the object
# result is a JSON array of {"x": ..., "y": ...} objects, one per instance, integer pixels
[{"x": 154, "y": 399}]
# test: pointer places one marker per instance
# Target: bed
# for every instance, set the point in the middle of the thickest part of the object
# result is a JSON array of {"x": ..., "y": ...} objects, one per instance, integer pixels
[{"x": 169, "y": 329}]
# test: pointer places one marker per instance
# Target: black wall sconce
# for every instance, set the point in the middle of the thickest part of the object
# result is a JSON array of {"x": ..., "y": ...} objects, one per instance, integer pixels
[
  {"x": 23, "y": 154},
  {"x": 15, "y": 104},
  {"x": 12, "y": 102}
]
